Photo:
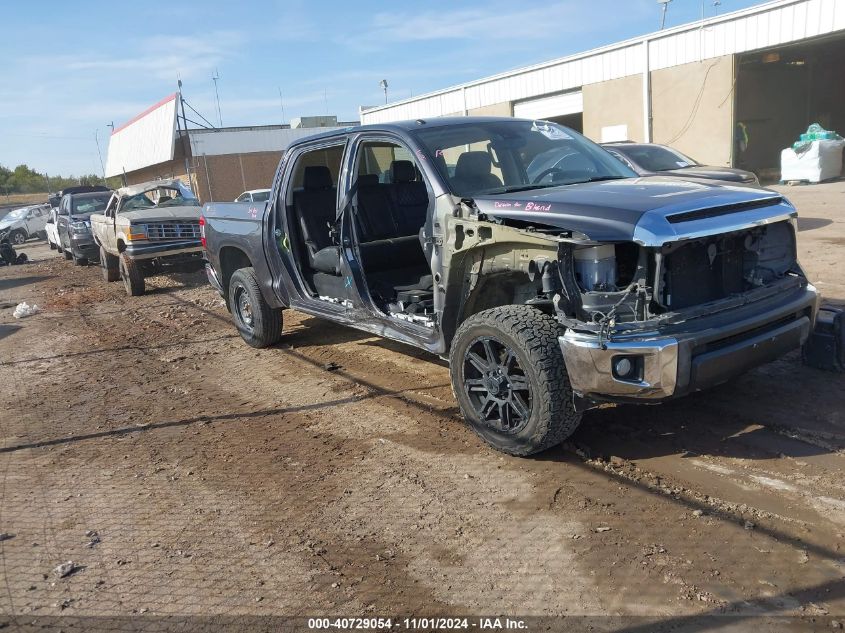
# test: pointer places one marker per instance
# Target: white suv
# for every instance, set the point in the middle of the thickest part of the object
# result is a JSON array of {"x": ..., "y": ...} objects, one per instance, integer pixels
[{"x": 24, "y": 223}]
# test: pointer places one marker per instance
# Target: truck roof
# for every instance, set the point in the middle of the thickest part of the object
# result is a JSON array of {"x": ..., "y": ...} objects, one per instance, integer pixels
[
  {"x": 167, "y": 183},
  {"x": 406, "y": 126}
]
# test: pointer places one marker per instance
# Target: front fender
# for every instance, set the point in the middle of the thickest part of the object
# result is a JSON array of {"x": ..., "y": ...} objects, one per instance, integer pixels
[{"x": 487, "y": 265}]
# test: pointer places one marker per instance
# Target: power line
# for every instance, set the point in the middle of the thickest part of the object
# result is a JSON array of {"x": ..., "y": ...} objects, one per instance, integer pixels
[{"x": 52, "y": 136}]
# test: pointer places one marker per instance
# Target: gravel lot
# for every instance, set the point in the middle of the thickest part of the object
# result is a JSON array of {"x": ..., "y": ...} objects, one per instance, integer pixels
[{"x": 186, "y": 474}]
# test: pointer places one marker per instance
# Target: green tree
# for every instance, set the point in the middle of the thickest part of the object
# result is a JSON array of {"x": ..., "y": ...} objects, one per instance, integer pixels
[{"x": 24, "y": 179}]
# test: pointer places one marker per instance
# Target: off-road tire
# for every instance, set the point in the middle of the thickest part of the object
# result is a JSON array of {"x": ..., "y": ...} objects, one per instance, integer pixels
[
  {"x": 130, "y": 273},
  {"x": 533, "y": 338},
  {"x": 259, "y": 324},
  {"x": 109, "y": 265},
  {"x": 17, "y": 238}
]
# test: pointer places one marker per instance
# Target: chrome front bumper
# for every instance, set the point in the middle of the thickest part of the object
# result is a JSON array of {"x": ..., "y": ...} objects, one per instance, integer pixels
[
  {"x": 683, "y": 362},
  {"x": 590, "y": 366},
  {"x": 150, "y": 250}
]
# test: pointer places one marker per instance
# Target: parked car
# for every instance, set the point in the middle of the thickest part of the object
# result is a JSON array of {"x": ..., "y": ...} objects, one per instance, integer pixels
[
  {"x": 651, "y": 159},
  {"x": 254, "y": 195},
  {"x": 73, "y": 225},
  {"x": 546, "y": 298},
  {"x": 20, "y": 225},
  {"x": 50, "y": 229},
  {"x": 55, "y": 199},
  {"x": 146, "y": 229}
]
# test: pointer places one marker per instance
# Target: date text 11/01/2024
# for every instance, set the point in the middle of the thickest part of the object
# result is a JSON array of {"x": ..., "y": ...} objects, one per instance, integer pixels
[{"x": 491, "y": 623}]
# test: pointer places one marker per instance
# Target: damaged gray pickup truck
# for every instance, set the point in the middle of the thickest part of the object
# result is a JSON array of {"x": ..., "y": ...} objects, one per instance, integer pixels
[{"x": 549, "y": 289}]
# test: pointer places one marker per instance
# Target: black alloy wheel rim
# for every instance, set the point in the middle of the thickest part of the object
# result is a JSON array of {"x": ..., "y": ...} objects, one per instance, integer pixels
[
  {"x": 243, "y": 308},
  {"x": 496, "y": 385}
]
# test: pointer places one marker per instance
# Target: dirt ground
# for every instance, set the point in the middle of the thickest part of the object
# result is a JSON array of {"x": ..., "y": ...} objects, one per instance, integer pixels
[{"x": 187, "y": 474}]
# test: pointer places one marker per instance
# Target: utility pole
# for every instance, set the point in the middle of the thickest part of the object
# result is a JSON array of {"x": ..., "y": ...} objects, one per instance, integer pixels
[
  {"x": 214, "y": 78},
  {"x": 665, "y": 4},
  {"x": 111, "y": 125},
  {"x": 282, "y": 102},
  {"x": 383, "y": 84},
  {"x": 97, "y": 141},
  {"x": 185, "y": 135}
]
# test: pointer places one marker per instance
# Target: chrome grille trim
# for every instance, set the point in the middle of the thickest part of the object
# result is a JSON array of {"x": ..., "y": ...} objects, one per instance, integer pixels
[{"x": 173, "y": 231}]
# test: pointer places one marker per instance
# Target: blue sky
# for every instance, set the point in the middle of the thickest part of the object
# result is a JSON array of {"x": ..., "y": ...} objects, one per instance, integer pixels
[{"x": 70, "y": 68}]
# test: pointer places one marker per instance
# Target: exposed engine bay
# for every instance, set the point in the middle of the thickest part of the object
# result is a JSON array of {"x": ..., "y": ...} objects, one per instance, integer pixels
[
  {"x": 621, "y": 283},
  {"x": 683, "y": 274}
]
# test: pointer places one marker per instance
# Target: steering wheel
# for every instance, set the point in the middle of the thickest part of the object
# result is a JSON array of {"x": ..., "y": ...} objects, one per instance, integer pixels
[{"x": 546, "y": 172}]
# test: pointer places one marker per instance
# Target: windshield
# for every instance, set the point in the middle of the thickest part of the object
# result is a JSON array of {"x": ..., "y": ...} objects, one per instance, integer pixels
[
  {"x": 261, "y": 196},
  {"x": 656, "y": 157},
  {"x": 139, "y": 201},
  {"x": 161, "y": 197},
  {"x": 88, "y": 203},
  {"x": 513, "y": 155},
  {"x": 17, "y": 214}
]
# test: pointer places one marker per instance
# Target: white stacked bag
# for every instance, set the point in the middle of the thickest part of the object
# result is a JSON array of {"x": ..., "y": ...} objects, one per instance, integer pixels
[{"x": 815, "y": 158}]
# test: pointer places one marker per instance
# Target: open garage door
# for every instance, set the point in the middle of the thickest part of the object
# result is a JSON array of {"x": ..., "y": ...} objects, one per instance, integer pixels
[
  {"x": 565, "y": 108},
  {"x": 779, "y": 92}
]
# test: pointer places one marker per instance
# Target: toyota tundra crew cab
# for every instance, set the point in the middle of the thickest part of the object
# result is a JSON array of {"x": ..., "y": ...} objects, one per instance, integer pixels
[{"x": 549, "y": 290}]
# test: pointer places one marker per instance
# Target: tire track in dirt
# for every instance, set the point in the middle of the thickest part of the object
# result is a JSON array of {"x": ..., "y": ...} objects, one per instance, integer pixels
[{"x": 364, "y": 477}]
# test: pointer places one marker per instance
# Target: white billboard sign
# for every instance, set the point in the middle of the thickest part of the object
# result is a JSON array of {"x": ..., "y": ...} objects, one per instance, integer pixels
[{"x": 147, "y": 139}]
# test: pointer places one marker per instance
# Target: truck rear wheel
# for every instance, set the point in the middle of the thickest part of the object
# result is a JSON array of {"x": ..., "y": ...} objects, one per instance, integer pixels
[
  {"x": 133, "y": 278},
  {"x": 110, "y": 266},
  {"x": 259, "y": 324},
  {"x": 510, "y": 380}
]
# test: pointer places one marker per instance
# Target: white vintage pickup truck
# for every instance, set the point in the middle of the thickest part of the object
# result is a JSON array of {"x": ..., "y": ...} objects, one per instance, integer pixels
[{"x": 145, "y": 229}]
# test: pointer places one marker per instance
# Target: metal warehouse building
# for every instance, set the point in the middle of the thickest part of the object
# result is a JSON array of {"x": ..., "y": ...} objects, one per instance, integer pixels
[
  {"x": 769, "y": 70},
  {"x": 217, "y": 163}
]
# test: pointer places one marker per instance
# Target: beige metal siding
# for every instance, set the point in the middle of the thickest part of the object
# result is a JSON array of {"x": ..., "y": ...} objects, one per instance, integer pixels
[
  {"x": 769, "y": 24},
  {"x": 615, "y": 102},
  {"x": 692, "y": 109}
]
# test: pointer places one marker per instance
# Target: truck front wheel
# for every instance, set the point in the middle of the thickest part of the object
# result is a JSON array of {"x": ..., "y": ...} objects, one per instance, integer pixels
[
  {"x": 510, "y": 379},
  {"x": 259, "y": 324},
  {"x": 133, "y": 277}
]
